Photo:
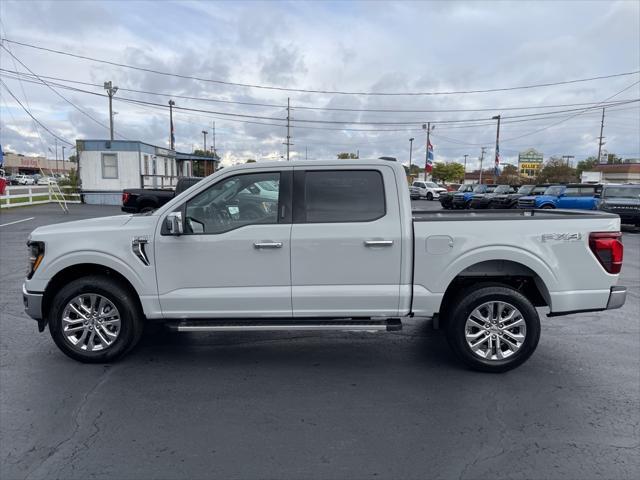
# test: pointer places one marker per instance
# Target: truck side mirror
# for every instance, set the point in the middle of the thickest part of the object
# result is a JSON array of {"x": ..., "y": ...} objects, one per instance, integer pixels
[{"x": 173, "y": 222}]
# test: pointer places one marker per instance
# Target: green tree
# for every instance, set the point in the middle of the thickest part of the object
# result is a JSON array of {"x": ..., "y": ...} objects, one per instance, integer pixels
[
  {"x": 73, "y": 158},
  {"x": 250, "y": 160},
  {"x": 347, "y": 155},
  {"x": 447, "y": 172},
  {"x": 202, "y": 153},
  {"x": 586, "y": 165},
  {"x": 556, "y": 170},
  {"x": 612, "y": 158}
]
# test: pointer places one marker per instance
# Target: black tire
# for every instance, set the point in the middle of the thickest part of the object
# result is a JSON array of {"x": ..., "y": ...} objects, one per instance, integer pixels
[
  {"x": 147, "y": 208},
  {"x": 547, "y": 207},
  {"x": 467, "y": 205},
  {"x": 430, "y": 196},
  {"x": 466, "y": 302},
  {"x": 131, "y": 318}
]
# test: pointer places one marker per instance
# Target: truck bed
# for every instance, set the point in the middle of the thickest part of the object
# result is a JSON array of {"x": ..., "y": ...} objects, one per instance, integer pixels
[{"x": 507, "y": 214}]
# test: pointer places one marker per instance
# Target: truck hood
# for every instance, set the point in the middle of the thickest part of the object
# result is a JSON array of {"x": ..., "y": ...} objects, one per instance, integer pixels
[{"x": 101, "y": 224}]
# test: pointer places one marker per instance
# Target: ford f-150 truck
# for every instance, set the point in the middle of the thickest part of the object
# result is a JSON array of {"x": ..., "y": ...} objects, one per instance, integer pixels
[{"x": 336, "y": 246}]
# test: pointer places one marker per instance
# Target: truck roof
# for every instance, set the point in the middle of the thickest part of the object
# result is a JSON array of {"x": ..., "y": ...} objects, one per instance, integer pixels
[{"x": 318, "y": 163}]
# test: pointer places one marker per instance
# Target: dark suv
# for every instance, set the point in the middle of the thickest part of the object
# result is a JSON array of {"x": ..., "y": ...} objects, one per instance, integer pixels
[
  {"x": 484, "y": 200},
  {"x": 623, "y": 200},
  {"x": 510, "y": 200}
]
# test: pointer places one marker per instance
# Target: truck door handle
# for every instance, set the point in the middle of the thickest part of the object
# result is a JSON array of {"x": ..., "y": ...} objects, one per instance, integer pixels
[
  {"x": 378, "y": 243},
  {"x": 267, "y": 245}
]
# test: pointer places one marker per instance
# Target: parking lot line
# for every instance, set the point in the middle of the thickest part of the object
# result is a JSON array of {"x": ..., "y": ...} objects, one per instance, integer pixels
[{"x": 17, "y": 221}]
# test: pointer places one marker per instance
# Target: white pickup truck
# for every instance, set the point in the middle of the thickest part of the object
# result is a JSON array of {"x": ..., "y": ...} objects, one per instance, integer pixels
[{"x": 335, "y": 245}]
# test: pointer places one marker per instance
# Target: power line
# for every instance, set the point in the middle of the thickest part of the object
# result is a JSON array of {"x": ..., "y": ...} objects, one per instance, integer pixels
[
  {"x": 319, "y": 91},
  {"x": 32, "y": 117},
  {"x": 59, "y": 94},
  {"x": 488, "y": 121},
  {"x": 305, "y": 107}
]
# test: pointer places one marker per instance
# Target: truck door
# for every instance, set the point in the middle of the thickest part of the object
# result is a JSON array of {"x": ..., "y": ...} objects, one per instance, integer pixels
[
  {"x": 233, "y": 258},
  {"x": 570, "y": 198},
  {"x": 345, "y": 242}
]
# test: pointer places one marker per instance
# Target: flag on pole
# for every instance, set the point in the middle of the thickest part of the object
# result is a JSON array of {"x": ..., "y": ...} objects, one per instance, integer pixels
[{"x": 429, "y": 164}]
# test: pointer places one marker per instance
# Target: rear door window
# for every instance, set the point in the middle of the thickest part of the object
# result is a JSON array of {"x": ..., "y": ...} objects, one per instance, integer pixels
[{"x": 336, "y": 196}]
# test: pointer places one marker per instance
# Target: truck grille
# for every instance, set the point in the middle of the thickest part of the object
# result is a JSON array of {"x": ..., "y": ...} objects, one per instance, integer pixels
[{"x": 526, "y": 203}]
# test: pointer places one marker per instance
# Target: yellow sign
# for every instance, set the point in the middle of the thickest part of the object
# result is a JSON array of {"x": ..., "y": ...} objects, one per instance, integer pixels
[{"x": 532, "y": 166}]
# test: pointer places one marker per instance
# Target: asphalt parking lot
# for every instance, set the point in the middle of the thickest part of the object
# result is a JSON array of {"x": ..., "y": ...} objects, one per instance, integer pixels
[{"x": 317, "y": 405}]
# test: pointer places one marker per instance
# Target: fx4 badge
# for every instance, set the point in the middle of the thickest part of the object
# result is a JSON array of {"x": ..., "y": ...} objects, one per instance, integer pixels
[{"x": 561, "y": 237}]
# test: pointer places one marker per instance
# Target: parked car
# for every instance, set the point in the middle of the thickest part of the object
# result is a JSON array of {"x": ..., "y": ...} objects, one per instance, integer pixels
[
  {"x": 47, "y": 181},
  {"x": 143, "y": 200},
  {"x": 446, "y": 199},
  {"x": 452, "y": 187},
  {"x": 342, "y": 251},
  {"x": 21, "y": 179},
  {"x": 463, "y": 199},
  {"x": 580, "y": 196},
  {"x": 623, "y": 200},
  {"x": 511, "y": 200},
  {"x": 483, "y": 200},
  {"x": 426, "y": 190}
]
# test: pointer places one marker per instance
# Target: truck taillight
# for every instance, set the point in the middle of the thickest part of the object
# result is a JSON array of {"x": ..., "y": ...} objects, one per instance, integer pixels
[
  {"x": 125, "y": 197},
  {"x": 608, "y": 249}
]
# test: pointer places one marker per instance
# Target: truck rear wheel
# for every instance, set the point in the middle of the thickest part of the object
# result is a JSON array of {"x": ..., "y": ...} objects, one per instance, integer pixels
[
  {"x": 95, "y": 319},
  {"x": 492, "y": 328}
]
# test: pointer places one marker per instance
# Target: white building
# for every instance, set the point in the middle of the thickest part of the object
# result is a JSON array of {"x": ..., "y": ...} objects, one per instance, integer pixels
[{"x": 106, "y": 167}]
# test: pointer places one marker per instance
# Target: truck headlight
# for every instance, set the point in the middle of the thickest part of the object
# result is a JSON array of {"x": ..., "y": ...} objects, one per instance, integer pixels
[{"x": 36, "y": 254}]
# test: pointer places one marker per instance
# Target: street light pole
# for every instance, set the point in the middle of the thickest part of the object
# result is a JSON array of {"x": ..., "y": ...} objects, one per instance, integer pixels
[
  {"x": 410, "y": 153},
  {"x": 497, "y": 159},
  {"x": 63, "y": 158},
  {"x": 204, "y": 138},
  {"x": 56, "y": 155}
]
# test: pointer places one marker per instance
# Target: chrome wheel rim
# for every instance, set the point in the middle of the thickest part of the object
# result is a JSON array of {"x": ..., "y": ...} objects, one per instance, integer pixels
[
  {"x": 495, "y": 330},
  {"x": 90, "y": 322}
]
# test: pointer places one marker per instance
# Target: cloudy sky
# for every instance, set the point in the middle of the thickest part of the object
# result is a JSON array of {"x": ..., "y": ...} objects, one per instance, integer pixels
[{"x": 374, "y": 47}]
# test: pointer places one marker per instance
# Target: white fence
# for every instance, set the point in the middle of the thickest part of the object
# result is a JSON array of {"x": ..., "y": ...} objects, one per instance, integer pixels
[{"x": 19, "y": 196}]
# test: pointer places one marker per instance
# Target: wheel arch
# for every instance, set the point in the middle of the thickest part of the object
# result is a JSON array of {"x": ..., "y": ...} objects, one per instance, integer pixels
[
  {"x": 76, "y": 271},
  {"x": 526, "y": 279}
]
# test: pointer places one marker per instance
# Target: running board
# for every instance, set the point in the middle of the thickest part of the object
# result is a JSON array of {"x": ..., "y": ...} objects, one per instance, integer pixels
[{"x": 269, "y": 325}]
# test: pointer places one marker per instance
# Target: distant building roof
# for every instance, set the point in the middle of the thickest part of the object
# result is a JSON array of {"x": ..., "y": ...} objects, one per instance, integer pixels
[{"x": 618, "y": 168}]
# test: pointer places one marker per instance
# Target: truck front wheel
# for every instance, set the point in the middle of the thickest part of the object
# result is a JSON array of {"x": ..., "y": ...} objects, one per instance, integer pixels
[
  {"x": 95, "y": 319},
  {"x": 493, "y": 328}
]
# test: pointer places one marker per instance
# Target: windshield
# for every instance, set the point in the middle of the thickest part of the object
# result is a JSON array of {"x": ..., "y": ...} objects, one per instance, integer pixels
[
  {"x": 465, "y": 188},
  {"x": 526, "y": 189},
  {"x": 539, "y": 190},
  {"x": 622, "y": 192},
  {"x": 502, "y": 189},
  {"x": 432, "y": 185},
  {"x": 554, "y": 190},
  {"x": 480, "y": 189}
]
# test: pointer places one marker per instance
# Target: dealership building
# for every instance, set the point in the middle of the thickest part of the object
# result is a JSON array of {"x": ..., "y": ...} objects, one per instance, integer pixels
[
  {"x": 15, "y": 163},
  {"x": 106, "y": 167}
]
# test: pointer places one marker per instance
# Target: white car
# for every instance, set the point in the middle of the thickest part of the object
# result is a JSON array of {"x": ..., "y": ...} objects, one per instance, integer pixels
[
  {"x": 24, "y": 180},
  {"x": 428, "y": 190},
  {"x": 342, "y": 250},
  {"x": 47, "y": 181}
]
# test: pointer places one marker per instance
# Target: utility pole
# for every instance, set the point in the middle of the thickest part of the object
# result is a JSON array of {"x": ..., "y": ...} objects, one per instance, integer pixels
[
  {"x": 306, "y": 153},
  {"x": 63, "y": 158},
  {"x": 481, "y": 158},
  {"x": 464, "y": 175},
  {"x": 568, "y": 159},
  {"x": 204, "y": 140},
  {"x": 288, "y": 142},
  {"x": 600, "y": 142},
  {"x": 172, "y": 138},
  {"x": 111, "y": 91},
  {"x": 497, "y": 159},
  {"x": 56, "y": 155},
  {"x": 410, "y": 153}
]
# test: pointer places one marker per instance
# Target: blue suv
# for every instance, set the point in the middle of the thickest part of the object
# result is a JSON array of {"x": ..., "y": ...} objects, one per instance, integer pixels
[
  {"x": 462, "y": 198},
  {"x": 577, "y": 196}
]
